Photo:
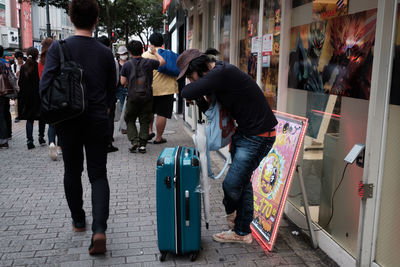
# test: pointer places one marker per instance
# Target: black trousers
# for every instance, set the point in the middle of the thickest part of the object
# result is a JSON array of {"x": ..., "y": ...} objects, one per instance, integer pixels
[
  {"x": 111, "y": 116},
  {"x": 7, "y": 115},
  {"x": 92, "y": 136}
]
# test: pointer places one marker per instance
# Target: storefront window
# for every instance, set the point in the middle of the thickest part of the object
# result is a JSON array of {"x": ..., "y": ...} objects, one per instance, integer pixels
[
  {"x": 225, "y": 29},
  {"x": 248, "y": 34},
  {"x": 330, "y": 68},
  {"x": 388, "y": 228},
  {"x": 270, "y": 50}
]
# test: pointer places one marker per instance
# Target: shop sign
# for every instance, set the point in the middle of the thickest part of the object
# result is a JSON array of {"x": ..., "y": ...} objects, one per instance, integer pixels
[
  {"x": 2, "y": 15},
  {"x": 326, "y": 9},
  {"x": 267, "y": 44},
  {"x": 271, "y": 180},
  {"x": 255, "y": 45},
  {"x": 266, "y": 61},
  {"x": 13, "y": 37}
]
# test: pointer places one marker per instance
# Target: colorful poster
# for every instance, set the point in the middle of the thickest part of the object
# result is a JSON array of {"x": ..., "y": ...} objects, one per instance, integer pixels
[
  {"x": 2, "y": 15},
  {"x": 326, "y": 9},
  {"x": 271, "y": 180},
  {"x": 334, "y": 56}
]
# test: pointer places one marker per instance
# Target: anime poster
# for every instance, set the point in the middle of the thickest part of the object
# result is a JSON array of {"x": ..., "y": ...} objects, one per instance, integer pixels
[
  {"x": 395, "y": 88},
  {"x": 334, "y": 56},
  {"x": 271, "y": 180},
  {"x": 296, "y": 3},
  {"x": 326, "y": 9}
]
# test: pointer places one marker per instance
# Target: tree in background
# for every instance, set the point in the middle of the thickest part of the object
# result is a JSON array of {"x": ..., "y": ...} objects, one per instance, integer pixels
[{"x": 123, "y": 17}]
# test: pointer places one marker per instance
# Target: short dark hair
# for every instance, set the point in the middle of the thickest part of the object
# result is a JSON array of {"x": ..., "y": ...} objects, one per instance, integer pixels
[
  {"x": 156, "y": 39},
  {"x": 18, "y": 54},
  {"x": 84, "y": 13},
  {"x": 199, "y": 65},
  {"x": 135, "y": 48},
  {"x": 1, "y": 51},
  {"x": 104, "y": 40}
]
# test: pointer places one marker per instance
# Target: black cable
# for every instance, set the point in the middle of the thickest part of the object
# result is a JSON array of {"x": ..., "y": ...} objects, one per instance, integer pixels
[{"x": 333, "y": 196}]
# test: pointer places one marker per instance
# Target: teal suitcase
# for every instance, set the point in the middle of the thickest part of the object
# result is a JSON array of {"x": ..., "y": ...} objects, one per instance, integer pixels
[{"x": 178, "y": 202}]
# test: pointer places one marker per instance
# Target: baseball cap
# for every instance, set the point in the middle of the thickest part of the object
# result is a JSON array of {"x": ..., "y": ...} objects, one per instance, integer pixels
[
  {"x": 122, "y": 50},
  {"x": 184, "y": 60}
]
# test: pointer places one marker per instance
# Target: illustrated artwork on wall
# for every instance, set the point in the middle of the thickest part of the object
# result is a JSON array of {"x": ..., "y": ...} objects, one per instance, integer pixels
[
  {"x": 334, "y": 56},
  {"x": 271, "y": 180}
]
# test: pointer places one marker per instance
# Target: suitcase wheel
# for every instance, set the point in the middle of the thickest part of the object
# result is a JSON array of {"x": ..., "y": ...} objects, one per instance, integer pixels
[
  {"x": 194, "y": 255},
  {"x": 163, "y": 255}
]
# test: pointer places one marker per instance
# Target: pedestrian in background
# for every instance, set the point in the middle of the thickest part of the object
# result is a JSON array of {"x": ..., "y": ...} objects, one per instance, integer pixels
[
  {"x": 141, "y": 108},
  {"x": 110, "y": 148},
  {"x": 89, "y": 131},
  {"x": 4, "y": 105},
  {"x": 16, "y": 68},
  {"x": 164, "y": 88},
  {"x": 51, "y": 131},
  {"x": 29, "y": 99},
  {"x": 123, "y": 57}
]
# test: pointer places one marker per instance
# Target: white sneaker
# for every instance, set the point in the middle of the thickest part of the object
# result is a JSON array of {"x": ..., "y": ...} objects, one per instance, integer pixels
[
  {"x": 231, "y": 237},
  {"x": 53, "y": 151}
]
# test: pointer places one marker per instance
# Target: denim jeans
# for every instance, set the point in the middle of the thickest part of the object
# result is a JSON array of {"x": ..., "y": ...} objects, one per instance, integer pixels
[
  {"x": 122, "y": 92},
  {"x": 51, "y": 135},
  {"x": 29, "y": 130},
  {"x": 3, "y": 121},
  {"x": 247, "y": 153}
]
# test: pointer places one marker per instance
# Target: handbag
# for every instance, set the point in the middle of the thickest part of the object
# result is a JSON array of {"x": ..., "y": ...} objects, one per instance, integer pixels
[
  {"x": 219, "y": 131},
  {"x": 220, "y": 126},
  {"x": 65, "y": 98},
  {"x": 8, "y": 83}
]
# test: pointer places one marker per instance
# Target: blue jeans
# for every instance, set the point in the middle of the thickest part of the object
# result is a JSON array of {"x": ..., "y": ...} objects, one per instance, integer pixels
[
  {"x": 3, "y": 121},
  {"x": 29, "y": 130},
  {"x": 122, "y": 92},
  {"x": 51, "y": 134},
  {"x": 247, "y": 153}
]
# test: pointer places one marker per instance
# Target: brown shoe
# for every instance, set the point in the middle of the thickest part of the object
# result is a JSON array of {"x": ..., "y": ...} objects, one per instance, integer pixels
[
  {"x": 231, "y": 237},
  {"x": 98, "y": 244},
  {"x": 79, "y": 226}
]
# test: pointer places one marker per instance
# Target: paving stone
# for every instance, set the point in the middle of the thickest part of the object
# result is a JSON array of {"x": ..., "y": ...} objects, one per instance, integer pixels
[{"x": 36, "y": 225}]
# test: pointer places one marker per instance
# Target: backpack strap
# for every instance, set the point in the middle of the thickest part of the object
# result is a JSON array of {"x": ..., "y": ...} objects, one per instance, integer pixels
[{"x": 60, "y": 50}]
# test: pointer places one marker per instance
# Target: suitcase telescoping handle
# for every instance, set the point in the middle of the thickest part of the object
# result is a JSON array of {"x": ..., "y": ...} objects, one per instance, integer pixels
[{"x": 187, "y": 208}]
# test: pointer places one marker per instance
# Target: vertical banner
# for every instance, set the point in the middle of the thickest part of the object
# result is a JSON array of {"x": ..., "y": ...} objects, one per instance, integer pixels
[
  {"x": 166, "y": 4},
  {"x": 271, "y": 180},
  {"x": 326, "y": 9},
  {"x": 26, "y": 25}
]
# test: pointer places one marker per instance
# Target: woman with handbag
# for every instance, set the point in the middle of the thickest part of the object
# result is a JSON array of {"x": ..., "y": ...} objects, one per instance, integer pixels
[{"x": 29, "y": 99}]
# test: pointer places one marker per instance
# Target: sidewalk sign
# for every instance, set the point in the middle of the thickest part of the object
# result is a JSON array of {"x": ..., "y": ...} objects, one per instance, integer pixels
[{"x": 272, "y": 179}]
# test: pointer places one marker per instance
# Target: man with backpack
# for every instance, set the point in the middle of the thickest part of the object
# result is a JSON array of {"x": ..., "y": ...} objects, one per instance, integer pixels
[
  {"x": 164, "y": 88},
  {"x": 87, "y": 131},
  {"x": 137, "y": 75}
]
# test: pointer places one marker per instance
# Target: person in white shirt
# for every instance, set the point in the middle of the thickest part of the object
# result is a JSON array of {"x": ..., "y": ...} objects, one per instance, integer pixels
[{"x": 16, "y": 67}]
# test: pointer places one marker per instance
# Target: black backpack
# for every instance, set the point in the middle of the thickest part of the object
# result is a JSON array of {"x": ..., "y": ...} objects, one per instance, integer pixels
[
  {"x": 65, "y": 98},
  {"x": 139, "y": 86}
]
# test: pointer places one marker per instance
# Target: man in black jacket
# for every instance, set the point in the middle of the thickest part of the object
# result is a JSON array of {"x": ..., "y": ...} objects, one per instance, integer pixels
[
  {"x": 90, "y": 130},
  {"x": 239, "y": 94}
]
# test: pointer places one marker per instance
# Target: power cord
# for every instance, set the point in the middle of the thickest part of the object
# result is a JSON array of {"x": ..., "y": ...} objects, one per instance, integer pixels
[{"x": 333, "y": 196}]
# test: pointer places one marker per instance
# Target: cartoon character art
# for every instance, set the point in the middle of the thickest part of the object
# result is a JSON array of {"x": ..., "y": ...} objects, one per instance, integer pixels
[{"x": 269, "y": 181}]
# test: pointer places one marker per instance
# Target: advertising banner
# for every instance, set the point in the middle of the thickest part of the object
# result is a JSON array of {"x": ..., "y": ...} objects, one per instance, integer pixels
[
  {"x": 326, "y": 9},
  {"x": 271, "y": 180},
  {"x": 334, "y": 56},
  {"x": 2, "y": 15},
  {"x": 26, "y": 25}
]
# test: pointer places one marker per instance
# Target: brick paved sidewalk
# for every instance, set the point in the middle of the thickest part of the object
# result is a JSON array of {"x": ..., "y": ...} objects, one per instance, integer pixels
[{"x": 35, "y": 224}]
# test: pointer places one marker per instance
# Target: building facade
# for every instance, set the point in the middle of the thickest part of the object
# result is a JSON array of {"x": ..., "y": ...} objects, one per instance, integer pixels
[{"x": 332, "y": 63}]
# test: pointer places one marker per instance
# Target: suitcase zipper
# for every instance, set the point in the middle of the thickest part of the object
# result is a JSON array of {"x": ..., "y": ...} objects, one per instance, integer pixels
[{"x": 177, "y": 200}]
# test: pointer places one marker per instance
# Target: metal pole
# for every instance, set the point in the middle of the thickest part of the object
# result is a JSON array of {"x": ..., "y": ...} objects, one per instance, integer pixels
[
  {"x": 306, "y": 207},
  {"x": 48, "y": 19}
]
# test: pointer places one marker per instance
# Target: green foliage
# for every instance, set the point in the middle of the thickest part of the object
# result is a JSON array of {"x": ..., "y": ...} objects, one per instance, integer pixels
[{"x": 124, "y": 17}]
